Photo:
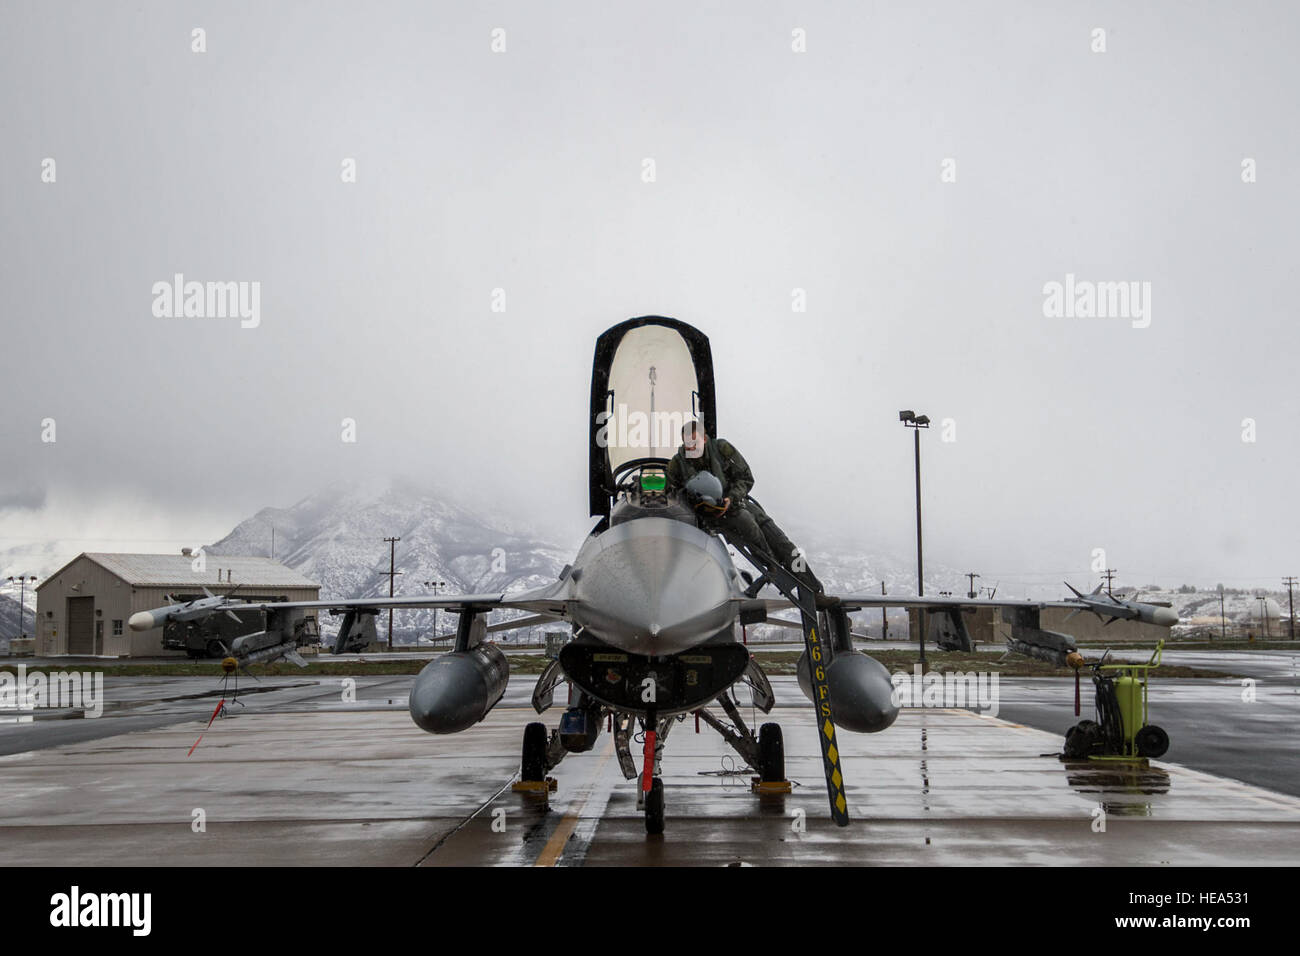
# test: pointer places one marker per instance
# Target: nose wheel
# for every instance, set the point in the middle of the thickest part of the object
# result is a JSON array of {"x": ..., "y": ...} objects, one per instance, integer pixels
[{"x": 654, "y": 807}]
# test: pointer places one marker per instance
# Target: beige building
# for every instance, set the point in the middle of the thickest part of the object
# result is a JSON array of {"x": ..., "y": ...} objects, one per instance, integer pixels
[{"x": 83, "y": 608}]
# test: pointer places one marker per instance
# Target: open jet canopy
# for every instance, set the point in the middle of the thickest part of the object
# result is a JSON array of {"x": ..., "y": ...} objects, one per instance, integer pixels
[{"x": 649, "y": 376}]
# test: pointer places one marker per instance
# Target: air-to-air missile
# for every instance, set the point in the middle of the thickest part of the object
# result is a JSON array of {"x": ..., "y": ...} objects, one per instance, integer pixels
[
  {"x": 187, "y": 611},
  {"x": 1109, "y": 606}
]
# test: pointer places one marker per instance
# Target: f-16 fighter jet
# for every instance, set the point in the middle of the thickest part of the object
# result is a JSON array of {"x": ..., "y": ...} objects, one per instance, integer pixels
[{"x": 656, "y": 603}]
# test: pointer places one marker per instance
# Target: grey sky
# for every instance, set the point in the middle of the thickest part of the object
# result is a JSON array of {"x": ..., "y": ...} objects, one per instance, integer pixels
[{"x": 776, "y": 170}]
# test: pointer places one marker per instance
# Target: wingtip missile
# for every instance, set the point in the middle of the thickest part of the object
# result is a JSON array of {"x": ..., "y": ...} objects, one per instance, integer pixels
[{"x": 1115, "y": 609}]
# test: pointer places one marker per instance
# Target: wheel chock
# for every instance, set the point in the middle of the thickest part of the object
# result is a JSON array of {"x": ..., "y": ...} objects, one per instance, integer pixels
[
  {"x": 548, "y": 785},
  {"x": 757, "y": 785}
]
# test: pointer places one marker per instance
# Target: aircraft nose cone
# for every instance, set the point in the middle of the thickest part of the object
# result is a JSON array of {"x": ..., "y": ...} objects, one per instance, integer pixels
[{"x": 656, "y": 586}]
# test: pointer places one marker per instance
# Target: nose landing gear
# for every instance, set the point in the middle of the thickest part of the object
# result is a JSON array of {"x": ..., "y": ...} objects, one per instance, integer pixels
[{"x": 652, "y": 785}]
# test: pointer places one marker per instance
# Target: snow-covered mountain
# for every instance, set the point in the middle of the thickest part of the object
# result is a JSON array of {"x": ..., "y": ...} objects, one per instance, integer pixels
[{"x": 336, "y": 537}]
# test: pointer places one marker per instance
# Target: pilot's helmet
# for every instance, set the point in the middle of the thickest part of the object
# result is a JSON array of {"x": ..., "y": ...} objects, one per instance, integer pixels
[{"x": 704, "y": 488}]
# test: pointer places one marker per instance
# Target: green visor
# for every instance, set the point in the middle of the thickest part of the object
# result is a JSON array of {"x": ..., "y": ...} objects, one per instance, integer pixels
[{"x": 654, "y": 482}]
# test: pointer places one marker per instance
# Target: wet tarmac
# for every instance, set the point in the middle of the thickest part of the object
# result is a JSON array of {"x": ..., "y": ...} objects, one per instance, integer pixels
[
  {"x": 300, "y": 776},
  {"x": 1240, "y": 728}
]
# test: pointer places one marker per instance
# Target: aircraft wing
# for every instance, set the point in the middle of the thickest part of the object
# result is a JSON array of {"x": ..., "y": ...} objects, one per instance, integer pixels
[
  {"x": 1114, "y": 608},
  {"x": 859, "y": 602},
  {"x": 523, "y": 600},
  {"x": 551, "y": 601},
  {"x": 948, "y": 629}
]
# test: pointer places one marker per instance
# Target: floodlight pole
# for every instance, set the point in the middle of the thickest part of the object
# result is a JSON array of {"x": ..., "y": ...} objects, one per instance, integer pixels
[
  {"x": 920, "y": 576},
  {"x": 435, "y": 585},
  {"x": 916, "y": 422},
  {"x": 22, "y": 601}
]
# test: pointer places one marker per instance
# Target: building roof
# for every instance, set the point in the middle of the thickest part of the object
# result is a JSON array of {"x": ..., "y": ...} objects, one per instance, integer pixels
[{"x": 177, "y": 571}]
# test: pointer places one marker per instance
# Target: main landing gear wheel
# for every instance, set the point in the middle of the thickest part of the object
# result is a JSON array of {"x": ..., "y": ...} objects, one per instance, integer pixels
[
  {"x": 532, "y": 766},
  {"x": 771, "y": 754},
  {"x": 654, "y": 807}
]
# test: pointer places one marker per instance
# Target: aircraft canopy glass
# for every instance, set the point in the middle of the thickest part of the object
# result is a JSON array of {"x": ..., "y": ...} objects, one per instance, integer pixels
[{"x": 653, "y": 391}]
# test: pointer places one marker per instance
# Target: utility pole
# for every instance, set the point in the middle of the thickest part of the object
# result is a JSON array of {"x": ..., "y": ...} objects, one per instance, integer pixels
[
  {"x": 392, "y": 576},
  {"x": 972, "y": 575},
  {"x": 1109, "y": 575},
  {"x": 1223, "y": 620},
  {"x": 884, "y": 617},
  {"x": 1290, "y": 600}
]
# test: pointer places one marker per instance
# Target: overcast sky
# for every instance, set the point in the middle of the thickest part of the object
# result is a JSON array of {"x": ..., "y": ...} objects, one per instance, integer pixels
[{"x": 775, "y": 170}]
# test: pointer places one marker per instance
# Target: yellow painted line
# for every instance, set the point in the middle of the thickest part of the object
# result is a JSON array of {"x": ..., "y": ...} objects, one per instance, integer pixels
[{"x": 555, "y": 845}]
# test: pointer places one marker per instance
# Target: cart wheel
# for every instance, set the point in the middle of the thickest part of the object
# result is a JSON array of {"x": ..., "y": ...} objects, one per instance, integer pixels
[{"x": 1151, "y": 741}]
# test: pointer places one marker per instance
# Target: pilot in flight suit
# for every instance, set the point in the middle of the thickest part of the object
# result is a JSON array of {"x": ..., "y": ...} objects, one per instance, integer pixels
[{"x": 742, "y": 519}]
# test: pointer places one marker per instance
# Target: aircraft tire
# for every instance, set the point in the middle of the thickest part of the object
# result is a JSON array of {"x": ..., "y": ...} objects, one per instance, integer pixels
[
  {"x": 771, "y": 753},
  {"x": 532, "y": 765},
  {"x": 654, "y": 807}
]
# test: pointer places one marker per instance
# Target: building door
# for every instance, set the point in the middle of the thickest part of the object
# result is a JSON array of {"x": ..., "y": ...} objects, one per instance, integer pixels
[{"x": 81, "y": 633}]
